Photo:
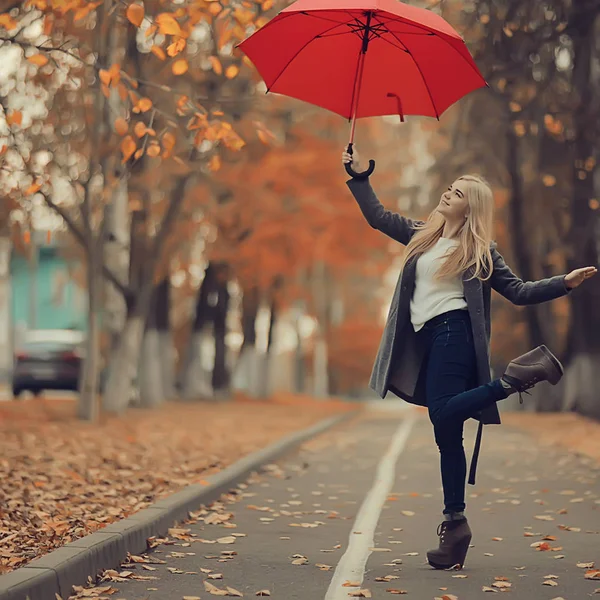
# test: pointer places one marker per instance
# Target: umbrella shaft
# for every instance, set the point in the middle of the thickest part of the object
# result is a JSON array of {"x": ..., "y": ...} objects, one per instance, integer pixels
[{"x": 359, "y": 74}]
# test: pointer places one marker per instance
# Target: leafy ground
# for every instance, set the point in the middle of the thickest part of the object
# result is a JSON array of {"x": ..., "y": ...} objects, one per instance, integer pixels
[
  {"x": 63, "y": 479},
  {"x": 567, "y": 430}
]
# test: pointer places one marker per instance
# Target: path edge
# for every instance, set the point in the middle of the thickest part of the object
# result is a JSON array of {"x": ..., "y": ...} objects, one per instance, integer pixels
[{"x": 72, "y": 564}]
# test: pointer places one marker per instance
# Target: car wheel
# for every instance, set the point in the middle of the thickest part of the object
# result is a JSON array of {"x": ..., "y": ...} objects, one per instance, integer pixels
[
  {"x": 37, "y": 393},
  {"x": 16, "y": 393}
]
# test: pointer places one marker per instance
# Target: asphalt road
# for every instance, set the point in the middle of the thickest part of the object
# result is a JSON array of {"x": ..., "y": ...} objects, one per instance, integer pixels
[{"x": 362, "y": 504}]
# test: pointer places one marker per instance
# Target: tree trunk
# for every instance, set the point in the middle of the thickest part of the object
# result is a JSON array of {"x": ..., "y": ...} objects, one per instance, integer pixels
[
  {"x": 124, "y": 365},
  {"x": 320, "y": 354},
  {"x": 582, "y": 378},
  {"x": 88, "y": 406},
  {"x": 245, "y": 371},
  {"x": 220, "y": 374},
  {"x": 195, "y": 381},
  {"x": 299, "y": 357},
  {"x": 122, "y": 385},
  {"x": 165, "y": 337},
  {"x": 6, "y": 334},
  {"x": 265, "y": 360},
  {"x": 150, "y": 372}
]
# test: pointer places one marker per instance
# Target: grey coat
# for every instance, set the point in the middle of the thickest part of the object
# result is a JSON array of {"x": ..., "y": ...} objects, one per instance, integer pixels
[{"x": 399, "y": 359}]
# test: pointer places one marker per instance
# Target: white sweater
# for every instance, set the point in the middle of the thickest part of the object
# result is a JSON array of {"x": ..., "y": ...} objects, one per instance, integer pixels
[{"x": 434, "y": 297}]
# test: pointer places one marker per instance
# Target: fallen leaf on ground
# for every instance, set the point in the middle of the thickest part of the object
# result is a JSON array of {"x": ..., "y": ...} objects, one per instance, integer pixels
[
  {"x": 586, "y": 565},
  {"x": 397, "y": 592},
  {"x": 592, "y": 574},
  {"x": 300, "y": 561},
  {"x": 135, "y": 456},
  {"x": 497, "y": 539},
  {"x": 502, "y": 584},
  {"x": 191, "y": 598},
  {"x": 213, "y": 589},
  {"x": 263, "y": 593},
  {"x": 233, "y": 592},
  {"x": 544, "y": 517},
  {"x": 387, "y": 578},
  {"x": 226, "y": 540},
  {"x": 408, "y": 513},
  {"x": 486, "y": 588},
  {"x": 550, "y": 582},
  {"x": 447, "y": 597},
  {"x": 360, "y": 594},
  {"x": 351, "y": 584}
]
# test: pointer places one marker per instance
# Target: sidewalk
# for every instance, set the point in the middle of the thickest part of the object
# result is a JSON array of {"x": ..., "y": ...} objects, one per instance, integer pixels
[{"x": 322, "y": 519}]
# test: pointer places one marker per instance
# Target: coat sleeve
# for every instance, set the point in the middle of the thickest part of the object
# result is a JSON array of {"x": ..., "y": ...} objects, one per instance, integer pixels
[
  {"x": 520, "y": 292},
  {"x": 392, "y": 224}
]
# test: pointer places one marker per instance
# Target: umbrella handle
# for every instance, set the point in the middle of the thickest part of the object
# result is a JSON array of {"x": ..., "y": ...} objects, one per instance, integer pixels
[{"x": 353, "y": 173}]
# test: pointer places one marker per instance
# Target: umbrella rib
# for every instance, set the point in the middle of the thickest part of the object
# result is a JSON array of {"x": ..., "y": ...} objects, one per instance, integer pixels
[
  {"x": 440, "y": 35},
  {"x": 297, "y": 53},
  {"x": 437, "y": 116}
]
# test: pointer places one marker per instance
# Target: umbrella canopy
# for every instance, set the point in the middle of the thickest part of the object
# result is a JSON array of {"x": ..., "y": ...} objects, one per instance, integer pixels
[{"x": 363, "y": 58}]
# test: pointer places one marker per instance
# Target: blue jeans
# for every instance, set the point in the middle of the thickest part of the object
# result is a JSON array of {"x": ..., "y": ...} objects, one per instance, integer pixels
[{"x": 452, "y": 398}]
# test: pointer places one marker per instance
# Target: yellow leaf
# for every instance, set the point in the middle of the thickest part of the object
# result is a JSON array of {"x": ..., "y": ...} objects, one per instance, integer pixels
[
  {"x": 128, "y": 147},
  {"x": 104, "y": 77},
  {"x": 215, "y": 163},
  {"x": 507, "y": 32},
  {"x": 158, "y": 52},
  {"x": 153, "y": 150},
  {"x": 216, "y": 65},
  {"x": 38, "y": 59},
  {"x": 214, "y": 8},
  {"x": 549, "y": 180},
  {"x": 267, "y": 5},
  {"x": 145, "y": 104},
  {"x": 121, "y": 126},
  {"x": 3, "y": 149},
  {"x": 176, "y": 47},
  {"x": 139, "y": 129},
  {"x": 232, "y": 71},
  {"x": 32, "y": 189},
  {"x": 135, "y": 14},
  {"x": 138, "y": 153},
  {"x": 14, "y": 117},
  {"x": 180, "y": 66},
  {"x": 151, "y": 30},
  {"x": 7, "y": 22},
  {"x": 168, "y": 141},
  {"x": 167, "y": 24}
]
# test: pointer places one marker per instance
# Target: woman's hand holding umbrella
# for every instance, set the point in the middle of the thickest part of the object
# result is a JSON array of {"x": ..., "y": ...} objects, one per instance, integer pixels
[{"x": 351, "y": 159}]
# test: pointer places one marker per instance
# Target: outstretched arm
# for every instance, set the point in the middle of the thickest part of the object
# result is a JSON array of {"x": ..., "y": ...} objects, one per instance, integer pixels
[
  {"x": 520, "y": 292},
  {"x": 392, "y": 224}
]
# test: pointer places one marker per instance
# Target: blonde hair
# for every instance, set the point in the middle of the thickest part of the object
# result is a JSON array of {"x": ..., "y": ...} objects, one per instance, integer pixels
[{"x": 475, "y": 236}]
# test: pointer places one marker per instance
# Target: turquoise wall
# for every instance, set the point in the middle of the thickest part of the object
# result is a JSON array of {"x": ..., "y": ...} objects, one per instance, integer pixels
[{"x": 59, "y": 303}]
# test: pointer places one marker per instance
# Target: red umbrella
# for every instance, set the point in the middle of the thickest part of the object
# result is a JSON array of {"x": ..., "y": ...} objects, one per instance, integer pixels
[{"x": 364, "y": 58}]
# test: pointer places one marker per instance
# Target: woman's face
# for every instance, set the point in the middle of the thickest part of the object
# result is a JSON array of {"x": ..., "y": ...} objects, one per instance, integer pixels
[{"x": 453, "y": 203}]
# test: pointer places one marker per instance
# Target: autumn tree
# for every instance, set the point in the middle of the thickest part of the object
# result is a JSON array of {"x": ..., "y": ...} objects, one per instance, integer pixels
[{"x": 131, "y": 77}]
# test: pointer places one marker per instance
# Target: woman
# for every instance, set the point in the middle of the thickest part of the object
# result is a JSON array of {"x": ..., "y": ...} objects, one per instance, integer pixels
[{"x": 435, "y": 347}]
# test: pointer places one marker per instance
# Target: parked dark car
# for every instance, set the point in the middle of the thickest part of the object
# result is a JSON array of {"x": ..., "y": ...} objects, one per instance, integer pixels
[{"x": 48, "y": 360}]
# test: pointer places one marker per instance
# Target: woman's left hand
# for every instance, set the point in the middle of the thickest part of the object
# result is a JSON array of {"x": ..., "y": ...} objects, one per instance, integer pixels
[{"x": 575, "y": 278}]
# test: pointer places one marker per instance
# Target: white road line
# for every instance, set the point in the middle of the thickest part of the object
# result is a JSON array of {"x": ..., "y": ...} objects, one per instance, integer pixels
[{"x": 352, "y": 565}]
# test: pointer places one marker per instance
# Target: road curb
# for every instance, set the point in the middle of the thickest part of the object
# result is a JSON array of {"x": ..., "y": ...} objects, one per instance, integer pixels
[{"x": 56, "y": 572}]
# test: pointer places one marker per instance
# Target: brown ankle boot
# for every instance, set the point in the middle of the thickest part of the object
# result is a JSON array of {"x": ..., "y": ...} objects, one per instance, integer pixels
[
  {"x": 536, "y": 365},
  {"x": 455, "y": 537}
]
